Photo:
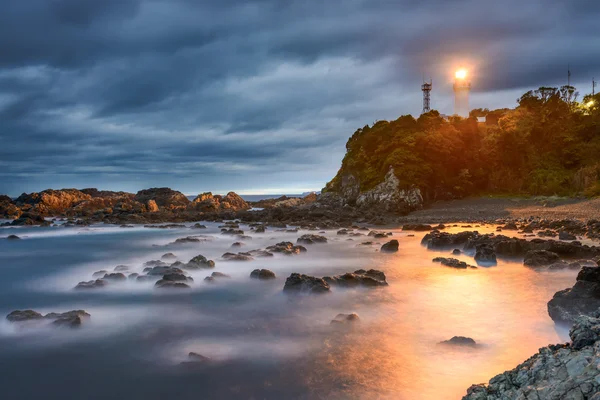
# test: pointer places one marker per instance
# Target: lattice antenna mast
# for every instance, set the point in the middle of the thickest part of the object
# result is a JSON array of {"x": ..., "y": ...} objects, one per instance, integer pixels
[{"x": 426, "y": 88}]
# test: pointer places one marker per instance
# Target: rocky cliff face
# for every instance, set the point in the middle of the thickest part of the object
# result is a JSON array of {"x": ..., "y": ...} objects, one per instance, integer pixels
[
  {"x": 582, "y": 299},
  {"x": 386, "y": 196},
  {"x": 558, "y": 372},
  {"x": 8, "y": 209}
]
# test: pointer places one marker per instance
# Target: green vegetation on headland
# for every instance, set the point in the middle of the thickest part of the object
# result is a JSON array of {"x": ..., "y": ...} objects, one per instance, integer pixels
[{"x": 548, "y": 145}]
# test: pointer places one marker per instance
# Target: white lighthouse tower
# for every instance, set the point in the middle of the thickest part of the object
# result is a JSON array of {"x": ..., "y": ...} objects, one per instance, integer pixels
[{"x": 462, "y": 87}]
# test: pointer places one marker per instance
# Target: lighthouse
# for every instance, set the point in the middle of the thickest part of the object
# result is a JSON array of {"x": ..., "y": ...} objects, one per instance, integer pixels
[{"x": 462, "y": 87}]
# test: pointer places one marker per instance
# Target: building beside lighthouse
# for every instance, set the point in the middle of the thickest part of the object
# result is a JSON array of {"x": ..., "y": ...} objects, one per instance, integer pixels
[{"x": 462, "y": 87}]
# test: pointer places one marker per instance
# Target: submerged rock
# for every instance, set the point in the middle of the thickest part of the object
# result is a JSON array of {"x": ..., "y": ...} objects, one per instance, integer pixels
[
  {"x": 562, "y": 372},
  {"x": 360, "y": 277},
  {"x": 485, "y": 254},
  {"x": 460, "y": 341},
  {"x": 237, "y": 257},
  {"x": 311, "y": 239},
  {"x": 94, "y": 284},
  {"x": 345, "y": 319},
  {"x": 300, "y": 283},
  {"x": 168, "y": 256},
  {"x": 196, "y": 360},
  {"x": 582, "y": 299},
  {"x": 452, "y": 262},
  {"x": 12, "y": 237},
  {"x": 199, "y": 262},
  {"x": 286, "y": 248},
  {"x": 71, "y": 319},
  {"x": 564, "y": 235},
  {"x": 417, "y": 227},
  {"x": 262, "y": 274},
  {"x": 115, "y": 277},
  {"x": 390, "y": 247},
  {"x": 170, "y": 280},
  {"x": 539, "y": 258}
]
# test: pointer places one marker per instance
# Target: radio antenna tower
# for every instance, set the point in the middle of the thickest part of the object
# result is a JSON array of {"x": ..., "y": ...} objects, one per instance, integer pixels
[{"x": 426, "y": 88}]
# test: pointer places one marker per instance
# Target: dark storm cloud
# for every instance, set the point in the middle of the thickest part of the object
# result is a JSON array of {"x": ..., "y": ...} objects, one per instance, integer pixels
[{"x": 252, "y": 94}]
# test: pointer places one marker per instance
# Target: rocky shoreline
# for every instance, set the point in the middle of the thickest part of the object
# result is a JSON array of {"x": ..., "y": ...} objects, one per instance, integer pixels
[{"x": 569, "y": 371}]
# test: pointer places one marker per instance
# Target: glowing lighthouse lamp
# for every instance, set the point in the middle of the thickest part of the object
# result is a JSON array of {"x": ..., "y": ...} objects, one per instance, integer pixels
[{"x": 462, "y": 87}]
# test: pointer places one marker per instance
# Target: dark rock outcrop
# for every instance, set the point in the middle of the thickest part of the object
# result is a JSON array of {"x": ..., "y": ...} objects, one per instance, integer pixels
[
  {"x": 562, "y": 372},
  {"x": 207, "y": 202},
  {"x": 460, "y": 341},
  {"x": 390, "y": 247},
  {"x": 165, "y": 198},
  {"x": 262, "y": 274},
  {"x": 93, "y": 284},
  {"x": 300, "y": 283},
  {"x": 237, "y": 257},
  {"x": 345, "y": 319},
  {"x": 582, "y": 299},
  {"x": 310, "y": 239},
  {"x": 71, "y": 319},
  {"x": 485, "y": 254},
  {"x": 452, "y": 262},
  {"x": 540, "y": 258},
  {"x": 286, "y": 248},
  {"x": 360, "y": 277},
  {"x": 199, "y": 262}
]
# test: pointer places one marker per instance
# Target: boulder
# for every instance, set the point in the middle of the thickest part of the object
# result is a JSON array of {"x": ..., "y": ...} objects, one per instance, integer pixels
[
  {"x": 390, "y": 247},
  {"x": 93, "y": 284},
  {"x": 564, "y": 235},
  {"x": 169, "y": 280},
  {"x": 114, "y": 277},
  {"x": 311, "y": 239},
  {"x": 168, "y": 256},
  {"x": 540, "y": 258},
  {"x": 300, "y": 283},
  {"x": 71, "y": 319},
  {"x": 164, "y": 198},
  {"x": 460, "y": 341},
  {"x": 216, "y": 274},
  {"x": 286, "y": 248},
  {"x": 452, "y": 262},
  {"x": 345, "y": 319},
  {"x": 582, "y": 299},
  {"x": 262, "y": 274},
  {"x": 485, "y": 254},
  {"x": 237, "y": 257},
  {"x": 12, "y": 237},
  {"x": 199, "y": 262},
  {"x": 360, "y": 277},
  {"x": 23, "y": 315}
]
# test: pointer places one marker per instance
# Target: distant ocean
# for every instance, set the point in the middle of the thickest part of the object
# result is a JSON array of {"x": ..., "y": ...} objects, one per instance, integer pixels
[{"x": 258, "y": 197}]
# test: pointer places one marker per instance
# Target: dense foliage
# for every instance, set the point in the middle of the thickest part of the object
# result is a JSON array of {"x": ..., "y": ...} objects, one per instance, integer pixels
[{"x": 549, "y": 144}]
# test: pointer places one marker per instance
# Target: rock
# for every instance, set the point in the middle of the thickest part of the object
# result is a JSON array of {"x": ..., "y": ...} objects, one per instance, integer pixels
[
  {"x": 300, "y": 283},
  {"x": 198, "y": 225},
  {"x": 71, "y": 319},
  {"x": 164, "y": 198},
  {"x": 133, "y": 276},
  {"x": 260, "y": 253},
  {"x": 562, "y": 372},
  {"x": 99, "y": 274},
  {"x": 539, "y": 258},
  {"x": 286, "y": 248},
  {"x": 24, "y": 315},
  {"x": 582, "y": 299},
  {"x": 452, "y": 262},
  {"x": 209, "y": 279},
  {"x": 119, "y": 268},
  {"x": 237, "y": 257},
  {"x": 115, "y": 277},
  {"x": 94, "y": 284},
  {"x": 231, "y": 231},
  {"x": 155, "y": 263},
  {"x": 172, "y": 285},
  {"x": 417, "y": 227},
  {"x": 162, "y": 270},
  {"x": 237, "y": 244},
  {"x": 208, "y": 202},
  {"x": 219, "y": 275},
  {"x": 188, "y": 239},
  {"x": 168, "y": 256},
  {"x": 199, "y": 262},
  {"x": 564, "y": 235},
  {"x": 311, "y": 239},
  {"x": 151, "y": 206},
  {"x": 196, "y": 360},
  {"x": 360, "y": 277},
  {"x": 51, "y": 202},
  {"x": 262, "y": 274},
  {"x": 485, "y": 254},
  {"x": 456, "y": 252},
  {"x": 445, "y": 240},
  {"x": 460, "y": 341},
  {"x": 260, "y": 229},
  {"x": 390, "y": 247},
  {"x": 169, "y": 280},
  {"x": 547, "y": 233},
  {"x": 345, "y": 319},
  {"x": 12, "y": 237}
]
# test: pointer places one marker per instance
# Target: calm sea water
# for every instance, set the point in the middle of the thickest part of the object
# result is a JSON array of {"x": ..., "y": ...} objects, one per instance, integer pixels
[{"x": 263, "y": 344}]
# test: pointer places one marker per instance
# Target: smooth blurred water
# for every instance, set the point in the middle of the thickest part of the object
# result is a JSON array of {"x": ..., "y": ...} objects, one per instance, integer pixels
[{"x": 263, "y": 344}]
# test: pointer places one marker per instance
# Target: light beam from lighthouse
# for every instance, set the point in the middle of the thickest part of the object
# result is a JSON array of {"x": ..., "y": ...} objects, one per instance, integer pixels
[{"x": 462, "y": 87}]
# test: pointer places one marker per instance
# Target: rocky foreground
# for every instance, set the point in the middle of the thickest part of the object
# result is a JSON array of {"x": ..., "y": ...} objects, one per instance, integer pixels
[{"x": 557, "y": 372}]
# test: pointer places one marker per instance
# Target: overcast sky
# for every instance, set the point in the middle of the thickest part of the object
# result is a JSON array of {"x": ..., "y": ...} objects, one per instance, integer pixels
[{"x": 255, "y": 96}]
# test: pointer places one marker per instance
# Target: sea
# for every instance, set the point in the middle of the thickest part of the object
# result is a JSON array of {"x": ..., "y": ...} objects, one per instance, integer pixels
[{"x": 262, "y": 342}]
